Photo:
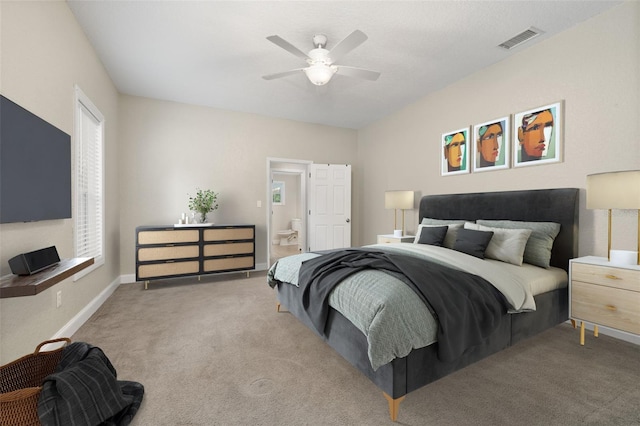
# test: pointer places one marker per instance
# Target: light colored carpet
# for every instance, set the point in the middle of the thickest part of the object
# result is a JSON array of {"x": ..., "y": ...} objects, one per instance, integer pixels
[{"x": 215, "y": 352}]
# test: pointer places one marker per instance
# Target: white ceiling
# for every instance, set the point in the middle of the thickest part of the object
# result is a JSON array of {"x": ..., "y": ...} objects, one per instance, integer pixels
[{"x": 213, "y": 53}]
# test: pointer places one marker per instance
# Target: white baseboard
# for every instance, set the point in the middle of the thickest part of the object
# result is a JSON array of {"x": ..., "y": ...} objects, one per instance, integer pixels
[
  {"x": 128, "y": 279},
  {"x": 76, "y": 322}
]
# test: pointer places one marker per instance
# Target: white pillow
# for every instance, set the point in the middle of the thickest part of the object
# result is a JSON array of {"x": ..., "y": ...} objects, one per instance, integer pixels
[
  {"x": 506, "y": 245},
  {"x": 449, "y": 239}
]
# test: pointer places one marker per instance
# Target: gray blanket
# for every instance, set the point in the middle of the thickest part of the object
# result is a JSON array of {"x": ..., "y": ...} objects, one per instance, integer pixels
[
  {"x": 467, "y": 307},
  {"x": 84, "y": 391}
]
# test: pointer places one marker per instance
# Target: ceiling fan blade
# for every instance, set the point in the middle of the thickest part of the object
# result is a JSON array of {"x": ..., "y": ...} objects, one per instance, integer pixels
[
  {"x": 347, "y": 44},
  {"x": 358, "y": 72},
  {"x": 282, "y": 74},
  {"x": 287, "y": 46}
]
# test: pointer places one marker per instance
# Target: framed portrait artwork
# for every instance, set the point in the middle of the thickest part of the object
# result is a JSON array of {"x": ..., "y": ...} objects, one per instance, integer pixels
[
  {"x": 454, "y": 152},
  {"x": 537, "y": 136},
  {"x": 277, "y": 193},
  {"x": 491, "y": 145}
]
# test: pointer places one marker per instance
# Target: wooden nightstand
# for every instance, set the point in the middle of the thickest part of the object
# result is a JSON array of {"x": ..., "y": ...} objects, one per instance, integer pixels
[
  {"x": 389, "y": 238},
  {"x": 604, "y": 294}
]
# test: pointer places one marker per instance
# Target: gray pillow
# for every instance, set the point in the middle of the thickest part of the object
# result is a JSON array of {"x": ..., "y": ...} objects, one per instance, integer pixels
[
  {"x": 454, "y": 225},
  {"x": 433, "y": 235},
  {"x": 472, "y": 242},
  {"x": 506, "y": 245},
  {"x": 538, "y": 249}
]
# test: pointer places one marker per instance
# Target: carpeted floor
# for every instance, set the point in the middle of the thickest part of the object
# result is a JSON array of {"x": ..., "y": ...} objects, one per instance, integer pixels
[{"x": 215, "y": 352}]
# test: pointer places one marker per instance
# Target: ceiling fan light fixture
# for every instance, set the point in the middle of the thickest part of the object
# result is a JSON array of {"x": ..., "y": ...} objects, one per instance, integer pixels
[{"x": 320, "y": 74}]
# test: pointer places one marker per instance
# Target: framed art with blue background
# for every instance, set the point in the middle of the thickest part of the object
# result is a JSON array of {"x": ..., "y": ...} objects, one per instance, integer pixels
[
  {"x": 455, "y": 152},
  {"x": 491, "y": 145}
]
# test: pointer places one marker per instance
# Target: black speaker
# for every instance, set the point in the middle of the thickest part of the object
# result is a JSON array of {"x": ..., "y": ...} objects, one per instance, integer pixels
[{"x": 34, "y": 261}]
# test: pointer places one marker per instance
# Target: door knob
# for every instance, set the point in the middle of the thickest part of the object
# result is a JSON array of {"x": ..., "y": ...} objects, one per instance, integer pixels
[{"x": 348, "y": 220}]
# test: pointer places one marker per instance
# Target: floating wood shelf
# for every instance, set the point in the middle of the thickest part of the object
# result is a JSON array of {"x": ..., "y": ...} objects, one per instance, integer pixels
[{"x": 29, "y": 285}]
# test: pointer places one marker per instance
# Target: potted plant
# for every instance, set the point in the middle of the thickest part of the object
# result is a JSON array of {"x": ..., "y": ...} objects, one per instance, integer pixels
[{"x": 203, "y": 203}]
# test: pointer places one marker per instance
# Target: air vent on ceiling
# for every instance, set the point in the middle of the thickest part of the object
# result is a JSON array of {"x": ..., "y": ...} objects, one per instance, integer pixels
[{"x": 521, "y": 38}]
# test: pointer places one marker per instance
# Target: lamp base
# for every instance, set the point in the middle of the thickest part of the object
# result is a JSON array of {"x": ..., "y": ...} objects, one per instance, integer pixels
[{"x": 623, "y": 257}]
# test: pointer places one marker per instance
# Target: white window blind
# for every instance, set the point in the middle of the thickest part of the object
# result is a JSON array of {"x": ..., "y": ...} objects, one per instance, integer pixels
[{"x": 89, "y": 182}]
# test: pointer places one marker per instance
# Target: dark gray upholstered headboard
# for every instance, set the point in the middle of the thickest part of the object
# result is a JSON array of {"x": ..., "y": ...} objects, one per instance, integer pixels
[{"x": 538, "y": 205}]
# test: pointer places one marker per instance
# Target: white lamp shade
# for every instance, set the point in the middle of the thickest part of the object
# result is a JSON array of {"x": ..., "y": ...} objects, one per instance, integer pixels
[
  {"x": 398, "y": 200},
  {"x": 614, "y": 190}
]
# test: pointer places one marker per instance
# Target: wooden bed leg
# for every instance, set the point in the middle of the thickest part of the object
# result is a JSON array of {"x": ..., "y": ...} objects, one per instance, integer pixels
[
  {"x": 595, "y": 331},
  {"x": 277, "y": 307},
  {"x": 394, "y": 406}
]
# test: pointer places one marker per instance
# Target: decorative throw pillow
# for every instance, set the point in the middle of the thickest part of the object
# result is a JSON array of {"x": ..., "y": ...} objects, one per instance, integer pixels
[
  {"x": 506, "y": 245},
  {"x": 538, "y": 249},
  {"x": 432, "y": 235},
  {"x": 453, "y": 224},
  {"x": 472, "y": 242}
]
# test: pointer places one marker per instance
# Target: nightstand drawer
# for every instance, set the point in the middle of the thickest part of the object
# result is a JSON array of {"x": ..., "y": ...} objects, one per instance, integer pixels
[
  {"x": 386, "y": 239},
  {"x": 604, "y": 305},
  {"x": 611, "y": 277}
]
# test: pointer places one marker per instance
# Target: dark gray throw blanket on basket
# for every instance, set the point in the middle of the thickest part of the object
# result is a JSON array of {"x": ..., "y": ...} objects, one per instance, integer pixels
[
  {"x": 467, "y": 307},
  {"x": 84, "y": 391}
]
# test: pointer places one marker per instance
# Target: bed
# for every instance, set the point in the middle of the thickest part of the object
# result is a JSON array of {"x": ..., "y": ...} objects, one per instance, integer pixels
[{"x": 422, "y": 363}]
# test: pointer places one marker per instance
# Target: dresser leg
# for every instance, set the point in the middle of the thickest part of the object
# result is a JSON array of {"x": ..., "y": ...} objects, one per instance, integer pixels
[
  {"x": 146, "y": 285},
  {"x": 595, "y": 331},
  {"x": 582, "y": 333},
  {"x": 573, "y": 323}
]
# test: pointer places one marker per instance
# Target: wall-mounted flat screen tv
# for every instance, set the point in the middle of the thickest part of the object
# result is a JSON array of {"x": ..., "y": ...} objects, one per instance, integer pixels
[{"x": 35, "y": 167}]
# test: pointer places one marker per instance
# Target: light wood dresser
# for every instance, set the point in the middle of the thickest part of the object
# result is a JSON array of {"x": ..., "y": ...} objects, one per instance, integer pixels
[
  {"x": 606, "y": 294},
  {"x": 195, "y": 250}
]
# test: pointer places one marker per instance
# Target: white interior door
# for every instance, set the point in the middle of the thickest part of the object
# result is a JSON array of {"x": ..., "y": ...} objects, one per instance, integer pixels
[{"x": 329, "y": 206}]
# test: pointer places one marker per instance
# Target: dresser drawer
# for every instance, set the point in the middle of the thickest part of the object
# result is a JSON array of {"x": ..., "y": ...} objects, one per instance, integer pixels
[
  {"x": 228, "y": 248},
  {"x": 146, "y": 254},
  {"x": 168, "y": 236},
  {"x": 228, "y": 263},
  {"x": 168, "y": 269},
  {"x": 603, "y": 275},
  {"x": 607, "y": 306},
  {"x": 225, "y": 234}
]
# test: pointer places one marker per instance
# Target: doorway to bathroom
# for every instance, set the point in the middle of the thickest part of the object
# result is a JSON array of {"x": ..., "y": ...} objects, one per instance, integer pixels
[{"x": 287, "y": 204}]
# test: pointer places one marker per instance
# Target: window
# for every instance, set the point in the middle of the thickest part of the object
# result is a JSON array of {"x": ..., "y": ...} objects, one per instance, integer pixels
[{"x": 89, "y": 182}]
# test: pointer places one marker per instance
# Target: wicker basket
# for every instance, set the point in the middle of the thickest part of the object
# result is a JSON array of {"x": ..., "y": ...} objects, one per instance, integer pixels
[{"x": 21, "y": 383}]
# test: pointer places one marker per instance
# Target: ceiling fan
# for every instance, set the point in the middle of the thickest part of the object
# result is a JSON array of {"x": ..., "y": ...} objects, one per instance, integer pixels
[{"x": 321, "y": 61}]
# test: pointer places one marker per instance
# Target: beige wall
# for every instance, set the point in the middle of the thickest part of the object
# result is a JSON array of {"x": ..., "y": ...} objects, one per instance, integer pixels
[
  {"x": 169, "y": 149},
  {"x": 594, "y": 68},
  {"x": 44, "y": 53}
]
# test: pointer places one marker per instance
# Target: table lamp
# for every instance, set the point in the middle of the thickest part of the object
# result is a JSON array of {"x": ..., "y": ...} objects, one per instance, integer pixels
[
  {"x": 398, "y": 200},
  {"x": 615, "y": 190}
]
